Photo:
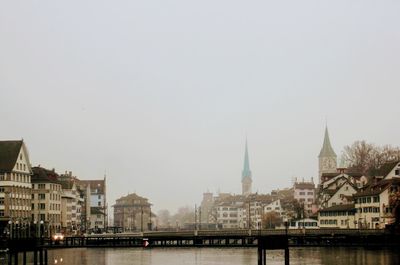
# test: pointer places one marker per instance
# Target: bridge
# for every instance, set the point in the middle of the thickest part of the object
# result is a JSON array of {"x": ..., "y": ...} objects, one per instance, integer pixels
[{"x": 261, "y": 239}]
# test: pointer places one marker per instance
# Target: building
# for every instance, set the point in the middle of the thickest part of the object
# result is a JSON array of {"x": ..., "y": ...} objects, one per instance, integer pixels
[
  {"x": 46, "y": 199},
  {"x": 72, "y": 203},
  {"x": 95, "y": 209},
  {"x": 327, "y": 157},
  {"x": 373, "y": 204},
  {"x": 276, "y": 207},
  {"x": 304, "y": 193},
  {"x": 337, "y": 216},
  {"x": 15, "y": 184},
  {"x": 133, "y": 213},
  {"x": 246, "y": 174},
  {"x": 230, "y": 214}
]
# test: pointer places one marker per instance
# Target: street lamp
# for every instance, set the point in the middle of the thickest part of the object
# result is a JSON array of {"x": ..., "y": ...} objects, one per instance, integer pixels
[{"x": 10, "y": 228}]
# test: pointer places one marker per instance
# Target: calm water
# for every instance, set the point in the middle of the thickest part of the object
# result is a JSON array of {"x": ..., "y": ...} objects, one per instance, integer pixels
[{"x": 213, "y": 256}]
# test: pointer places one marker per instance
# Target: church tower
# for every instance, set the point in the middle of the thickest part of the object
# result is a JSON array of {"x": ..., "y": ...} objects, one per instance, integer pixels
[
  {"x": 327, "y": 157},
  {"x": 246, "y": 174}
]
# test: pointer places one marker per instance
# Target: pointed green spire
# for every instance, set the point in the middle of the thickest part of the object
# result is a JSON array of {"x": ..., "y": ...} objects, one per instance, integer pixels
[
  {"x": 246, "y": 167},
  {"x": 327, "y": 150}
]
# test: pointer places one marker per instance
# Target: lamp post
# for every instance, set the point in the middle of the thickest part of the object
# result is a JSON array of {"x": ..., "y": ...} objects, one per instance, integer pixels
[
  {"x": 286, "y": 222},
  {"x": 17, "y": 228}
]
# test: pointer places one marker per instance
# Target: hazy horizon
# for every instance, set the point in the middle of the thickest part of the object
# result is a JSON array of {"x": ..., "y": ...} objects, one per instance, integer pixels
[{"x": 161, "y": 95}]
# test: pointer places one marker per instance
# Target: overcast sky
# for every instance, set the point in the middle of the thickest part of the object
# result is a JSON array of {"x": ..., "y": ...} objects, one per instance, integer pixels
[{"x": 161, "y": 94}]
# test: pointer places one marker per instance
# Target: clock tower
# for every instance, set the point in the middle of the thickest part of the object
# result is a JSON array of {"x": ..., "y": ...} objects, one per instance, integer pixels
[{"x": 327, "y": 157}]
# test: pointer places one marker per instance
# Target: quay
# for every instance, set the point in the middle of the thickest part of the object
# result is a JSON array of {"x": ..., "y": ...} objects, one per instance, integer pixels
[{"x": 263, "y": 240}]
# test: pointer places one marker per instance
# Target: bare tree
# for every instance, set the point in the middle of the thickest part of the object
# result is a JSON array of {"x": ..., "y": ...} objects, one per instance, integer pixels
[
  {"x": 366, "y": 157},
  {"x": 271, "y": 219}
]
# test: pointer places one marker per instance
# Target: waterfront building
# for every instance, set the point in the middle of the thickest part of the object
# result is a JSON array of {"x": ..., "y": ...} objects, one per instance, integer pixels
[
  {"x": 246, "y": 174},
  {"x": 95, "y": 209},
  {"x": 46, "y": 199},
  {"x": 133, "y": 213},
  {"x": 373, "y": 204},
  {"x": 327, "y": 158},
  {"x": 15, "y": 184},
  {"x": 303, "y": 223},
  {"x": 337, "y": 216},
  {"x": 72, "y": 202}
]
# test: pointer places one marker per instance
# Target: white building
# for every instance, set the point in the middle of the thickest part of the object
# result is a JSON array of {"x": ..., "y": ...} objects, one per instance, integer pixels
[
  {"x": 230, "y": 215},
  {"x": 304, "y": 193}
]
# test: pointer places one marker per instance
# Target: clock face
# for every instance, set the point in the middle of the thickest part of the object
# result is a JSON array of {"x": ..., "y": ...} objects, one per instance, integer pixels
[{"x": 328, "y": 163}]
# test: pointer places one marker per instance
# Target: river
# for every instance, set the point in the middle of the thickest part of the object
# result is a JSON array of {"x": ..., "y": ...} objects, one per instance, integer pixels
[{"x": 219, "y": 256}]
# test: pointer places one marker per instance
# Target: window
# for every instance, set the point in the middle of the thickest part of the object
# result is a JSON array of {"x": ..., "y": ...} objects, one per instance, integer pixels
[
  {"x": 98, "y": 203},
  {"x": 1, "y": 176},
  {"x": 310, "y": 193},
  {"x": 1, "y": 189},
  {"x": 1, "y": 213},
  {"x": 42, "y": 186},
  {"x": 42, "y": 196},
  {"x": 42, "y": 206},
  {"x": 302, "y": 193},
  {"x": 1, "y": 201},
  {"x": 397, "y": 172}
]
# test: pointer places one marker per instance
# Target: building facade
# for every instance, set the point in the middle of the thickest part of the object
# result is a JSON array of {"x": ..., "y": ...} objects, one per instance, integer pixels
[
  {"x": 15, "y": 184},
  {"x": 133, "y": 213},
  {"x": 96, "y": 204},
  {"x": 46, "y": 199}
]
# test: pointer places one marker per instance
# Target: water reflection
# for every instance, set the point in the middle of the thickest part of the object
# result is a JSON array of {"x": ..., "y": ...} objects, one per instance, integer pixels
[{"x": 214, "y": 256}]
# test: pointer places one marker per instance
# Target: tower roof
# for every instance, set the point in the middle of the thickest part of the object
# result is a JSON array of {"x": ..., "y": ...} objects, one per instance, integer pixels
[
  {"x": 246, "y": 167},
  {"x": 327, "y": 150}
]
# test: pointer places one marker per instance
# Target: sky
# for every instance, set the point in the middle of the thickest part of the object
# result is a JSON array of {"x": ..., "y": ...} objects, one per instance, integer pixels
[{"x": 161, "y": 95}]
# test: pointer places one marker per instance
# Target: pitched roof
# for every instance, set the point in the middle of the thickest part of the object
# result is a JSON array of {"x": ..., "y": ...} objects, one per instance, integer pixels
[
  {"x": 384, "y": 170},
  {"x": 377, "y": 188},
  {"x": 41, "y": 175},
  {"x": 9, "y": 151},
  {"x": 339, "y": 208},
  {"x": 327, "y": 150}
]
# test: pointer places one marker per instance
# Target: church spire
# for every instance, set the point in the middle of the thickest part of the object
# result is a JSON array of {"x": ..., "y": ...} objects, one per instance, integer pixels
[
  {"x": 246, "y": 174},
  {"x": 327, "y": 150},
  {"x": 246, "y": 166}
]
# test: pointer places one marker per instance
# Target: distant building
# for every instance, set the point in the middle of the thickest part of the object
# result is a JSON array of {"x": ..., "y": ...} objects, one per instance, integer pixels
[
  {"x": 133, "y": 213},
  {"x": 96, "y": 204},
  {"x": 304, "y": 193},
  {"x": 46, "y": 199},
  {"x": 246, "y": 174},
  {"x": 15, "y": 183}
]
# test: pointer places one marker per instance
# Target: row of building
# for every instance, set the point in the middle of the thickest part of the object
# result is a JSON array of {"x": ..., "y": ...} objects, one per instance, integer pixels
[
  {"x": 36, "y": 195},
  {"x": 341, "y": 199}
]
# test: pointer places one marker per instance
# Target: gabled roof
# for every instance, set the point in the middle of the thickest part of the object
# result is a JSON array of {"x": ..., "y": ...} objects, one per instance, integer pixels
[
  {"x": 9, "y": 151},
  {"x": 327, "y": 150}
]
